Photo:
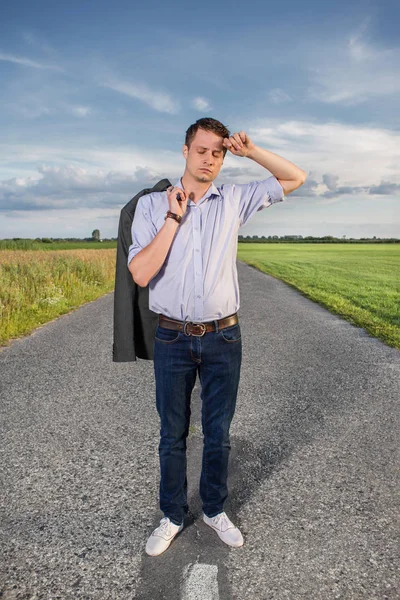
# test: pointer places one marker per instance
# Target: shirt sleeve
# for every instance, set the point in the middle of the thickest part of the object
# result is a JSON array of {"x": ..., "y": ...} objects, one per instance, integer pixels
[
  {"x": 257, "y": 195},
  {"x": 143, "y": 229}
]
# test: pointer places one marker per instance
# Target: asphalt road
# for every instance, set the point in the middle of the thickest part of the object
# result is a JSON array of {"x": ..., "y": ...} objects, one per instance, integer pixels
[{"x": 314, "y": 476}]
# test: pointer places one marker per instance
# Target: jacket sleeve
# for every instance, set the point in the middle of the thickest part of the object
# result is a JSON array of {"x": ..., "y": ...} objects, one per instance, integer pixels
[{"x": 124, "y": 296}]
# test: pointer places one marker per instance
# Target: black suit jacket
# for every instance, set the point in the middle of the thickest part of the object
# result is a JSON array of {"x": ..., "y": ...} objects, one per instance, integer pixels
[{"x": 134, "y": 322}]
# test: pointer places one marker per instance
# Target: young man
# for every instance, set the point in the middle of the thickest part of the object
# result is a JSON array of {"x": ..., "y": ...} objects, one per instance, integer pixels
[{"x": 184, "y": 247}]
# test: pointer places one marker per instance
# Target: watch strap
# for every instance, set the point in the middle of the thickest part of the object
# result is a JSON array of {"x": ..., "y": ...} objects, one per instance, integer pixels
[{"x": 171, "y": 215}]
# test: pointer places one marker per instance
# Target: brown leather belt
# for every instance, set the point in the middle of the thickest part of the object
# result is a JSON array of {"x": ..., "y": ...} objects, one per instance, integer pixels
[{"x": 197, "y": 329}]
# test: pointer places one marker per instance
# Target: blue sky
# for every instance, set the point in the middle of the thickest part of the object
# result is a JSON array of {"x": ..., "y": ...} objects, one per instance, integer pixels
[{"x": 96, "y": 97}]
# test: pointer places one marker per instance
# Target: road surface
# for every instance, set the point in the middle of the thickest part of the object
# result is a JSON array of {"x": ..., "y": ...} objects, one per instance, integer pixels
[{"x": 314, "y": 477}]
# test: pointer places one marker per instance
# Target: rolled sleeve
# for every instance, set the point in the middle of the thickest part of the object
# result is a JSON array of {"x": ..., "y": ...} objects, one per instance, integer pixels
[
  {"x": 258, "y": 195},
  {"x": 143, "y": 229}
]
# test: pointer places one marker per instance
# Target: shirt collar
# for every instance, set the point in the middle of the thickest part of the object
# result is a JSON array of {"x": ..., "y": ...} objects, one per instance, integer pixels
[{"x": 212, "y": 190}]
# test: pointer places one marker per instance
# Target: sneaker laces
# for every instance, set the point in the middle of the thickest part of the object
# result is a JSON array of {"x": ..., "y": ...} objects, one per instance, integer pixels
[
  {"x": 224, "y": 521},
  {"x": 164, "y": 525}
]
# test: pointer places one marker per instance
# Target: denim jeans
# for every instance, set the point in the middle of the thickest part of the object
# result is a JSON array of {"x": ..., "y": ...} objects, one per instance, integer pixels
[{"x": 216, "y": 357}]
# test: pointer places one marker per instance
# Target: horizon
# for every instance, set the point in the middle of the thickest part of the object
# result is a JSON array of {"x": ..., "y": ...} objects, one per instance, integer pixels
[{"x": 343, "y": 238}]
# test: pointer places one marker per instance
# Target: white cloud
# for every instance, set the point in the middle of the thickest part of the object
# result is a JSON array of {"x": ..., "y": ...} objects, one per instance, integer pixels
[
  {"x": 353, "y": 72},
  {"x": 83, "y": 154},
  {"x": 358, "y": 155},
  {"x": 36, "y": 41},
  {"x": 27, "y": 62},
  {"x": 39, "y": 93},
  {"x": 330, "y": 181},
  {"x": 278, "y": 96},
  {"x": 71, "y": 185},
  {"x": 160, "y": 101},
  {"x": 357, "y": 48},
  {"x": 33, "y": 111},
  {"x": 201, "y": 104},
  {"x": 80, "y": 111},
  {"x": 340, "y": 160}
]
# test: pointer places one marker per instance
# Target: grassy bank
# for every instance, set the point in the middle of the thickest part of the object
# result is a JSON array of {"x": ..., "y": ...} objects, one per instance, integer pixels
[
  {"x": 37, "y": 286},
  {"x": 359, "y": 282}
]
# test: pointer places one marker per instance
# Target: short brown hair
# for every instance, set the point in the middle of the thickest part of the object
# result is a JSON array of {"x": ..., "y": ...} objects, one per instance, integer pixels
[{"x": 208, "y": 124}]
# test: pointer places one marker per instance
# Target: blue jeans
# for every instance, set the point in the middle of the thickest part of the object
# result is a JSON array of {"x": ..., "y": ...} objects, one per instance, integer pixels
[{"x": 216, "y": 357}]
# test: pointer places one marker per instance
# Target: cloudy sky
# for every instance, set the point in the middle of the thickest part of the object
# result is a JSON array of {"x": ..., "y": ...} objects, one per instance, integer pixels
[{"x": 96, "y": 97}]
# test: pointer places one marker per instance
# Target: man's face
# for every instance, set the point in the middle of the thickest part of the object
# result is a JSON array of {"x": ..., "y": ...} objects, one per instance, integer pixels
[{"x": 205, "y": 156}]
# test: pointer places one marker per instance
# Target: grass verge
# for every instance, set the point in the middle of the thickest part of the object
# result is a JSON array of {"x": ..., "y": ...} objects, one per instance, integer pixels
[
  {"x": 359, "y": 282},
  {"x": 37, "y": 286}
]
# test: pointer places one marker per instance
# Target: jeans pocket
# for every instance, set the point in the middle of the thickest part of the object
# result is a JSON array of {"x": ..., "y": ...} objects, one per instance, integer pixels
[
  {"x": 166, "y": 336},
  {"x": 231, "y": 334}
]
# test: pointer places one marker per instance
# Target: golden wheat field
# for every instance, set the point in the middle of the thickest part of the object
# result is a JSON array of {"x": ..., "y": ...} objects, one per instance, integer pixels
[{"x": 37, "y": 286}]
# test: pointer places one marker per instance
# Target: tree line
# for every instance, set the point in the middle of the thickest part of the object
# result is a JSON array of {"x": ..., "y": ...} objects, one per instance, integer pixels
[{"x": 326, "y": 239}]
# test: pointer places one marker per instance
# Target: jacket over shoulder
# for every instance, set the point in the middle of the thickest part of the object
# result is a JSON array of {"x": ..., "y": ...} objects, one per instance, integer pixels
[{"x": 134, "y": 322}]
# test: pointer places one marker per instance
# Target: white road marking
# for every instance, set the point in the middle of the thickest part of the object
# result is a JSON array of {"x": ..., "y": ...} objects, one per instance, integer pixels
[{"x": 200, "y": 582}]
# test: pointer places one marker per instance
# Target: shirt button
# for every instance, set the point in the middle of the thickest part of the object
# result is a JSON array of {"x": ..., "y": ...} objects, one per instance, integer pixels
[
  {"x": 199, "y": 297},
  {"x": 197, "y": 250},
  {"x": 198, "y": 274}
]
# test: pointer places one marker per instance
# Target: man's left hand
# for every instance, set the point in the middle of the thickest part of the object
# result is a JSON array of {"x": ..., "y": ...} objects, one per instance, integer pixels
[{"x": 239, "y": 144}]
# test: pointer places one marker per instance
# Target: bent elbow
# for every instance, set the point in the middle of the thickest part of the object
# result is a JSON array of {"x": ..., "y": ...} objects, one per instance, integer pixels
[
  {"x": 141, "y": 282},
  {"x": 133, "y": 272},
  {"x": 137, "y": 276},
  {"x": 139, "y": 279}
]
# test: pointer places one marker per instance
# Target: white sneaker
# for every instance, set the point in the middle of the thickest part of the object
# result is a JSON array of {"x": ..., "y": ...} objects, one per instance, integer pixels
[
  {"x": 161, "y": 537},
  {"x": 225, "y": 528}
]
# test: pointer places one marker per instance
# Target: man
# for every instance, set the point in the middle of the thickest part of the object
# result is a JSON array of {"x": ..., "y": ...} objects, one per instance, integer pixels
[{"x": 184, "y": 247}]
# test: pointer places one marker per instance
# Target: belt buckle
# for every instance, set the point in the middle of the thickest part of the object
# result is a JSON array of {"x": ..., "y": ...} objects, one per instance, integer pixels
[{"x": 203, "y": 329}]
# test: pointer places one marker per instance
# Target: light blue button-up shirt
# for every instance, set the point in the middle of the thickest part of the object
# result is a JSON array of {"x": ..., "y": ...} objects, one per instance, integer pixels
[{"x": 198, "y": 280}]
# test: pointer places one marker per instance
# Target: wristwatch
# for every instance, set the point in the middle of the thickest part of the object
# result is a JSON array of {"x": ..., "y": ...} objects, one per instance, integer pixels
[{"x": 171, "y": 215}]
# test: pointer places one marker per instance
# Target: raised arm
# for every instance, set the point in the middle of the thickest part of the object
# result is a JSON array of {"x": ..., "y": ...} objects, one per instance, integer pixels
[{"x": 289, "y": 175}]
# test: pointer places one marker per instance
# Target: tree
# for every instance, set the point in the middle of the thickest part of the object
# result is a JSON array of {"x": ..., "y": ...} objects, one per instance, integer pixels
[{"x": 96, "y": 235}]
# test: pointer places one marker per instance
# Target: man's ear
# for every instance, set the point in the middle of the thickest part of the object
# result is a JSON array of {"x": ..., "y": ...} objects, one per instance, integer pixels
[{"x": 185, "y": 150}]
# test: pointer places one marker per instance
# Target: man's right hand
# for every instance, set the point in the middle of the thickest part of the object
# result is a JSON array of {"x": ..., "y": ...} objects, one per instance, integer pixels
[{"x": 176, "y": 206}]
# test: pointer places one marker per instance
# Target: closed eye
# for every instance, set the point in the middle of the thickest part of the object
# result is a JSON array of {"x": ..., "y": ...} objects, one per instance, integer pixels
[{"x": 217, "y": 153}]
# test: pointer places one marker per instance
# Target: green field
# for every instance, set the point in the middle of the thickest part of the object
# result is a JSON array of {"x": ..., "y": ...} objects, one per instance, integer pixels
[{"x": 360, "y": 282}]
